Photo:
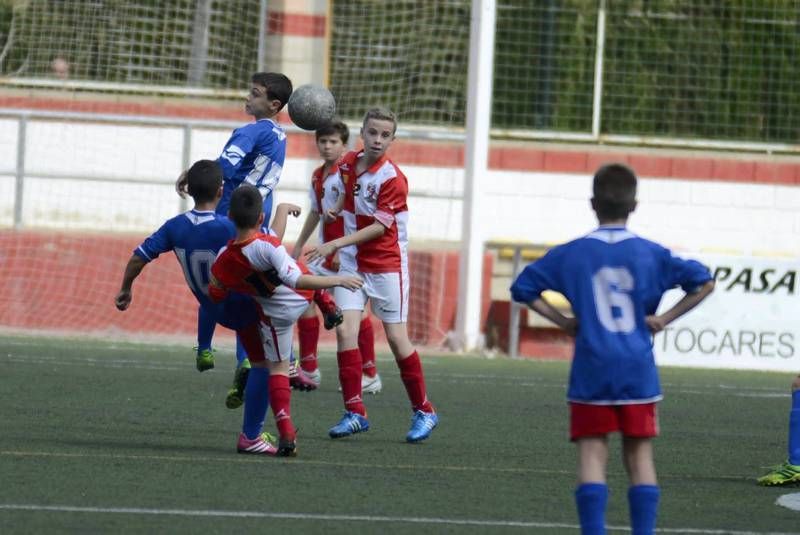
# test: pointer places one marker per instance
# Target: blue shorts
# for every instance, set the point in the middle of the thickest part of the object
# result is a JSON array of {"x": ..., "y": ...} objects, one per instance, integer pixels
[
  {"x": 236, "y": 312},
  {"x": 225, "y": 203}
]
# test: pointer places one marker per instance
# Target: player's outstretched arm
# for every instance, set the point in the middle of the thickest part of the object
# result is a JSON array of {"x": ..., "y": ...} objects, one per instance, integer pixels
[
  {"x": 540, "y": 305},
  {"x": 282, "y": 213},
  {"x": 375, "y": 230},
  {"x": 318, "y": 282},
  {"x": 312, "y": 220},
  {"x": 125, "y": 295},
  {"x": 657, "y": 322}
]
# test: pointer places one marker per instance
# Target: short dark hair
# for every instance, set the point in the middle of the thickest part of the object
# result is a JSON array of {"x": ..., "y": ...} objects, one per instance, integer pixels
[
  {"x": 278, "y": 85},
  {"x": 614, "y": 191},
  {"x": 246, "y": 206},
  {"x": 203, "y": 180},
  {"x": 332, "y": 129},
  {"x": 380, "y": 114}
]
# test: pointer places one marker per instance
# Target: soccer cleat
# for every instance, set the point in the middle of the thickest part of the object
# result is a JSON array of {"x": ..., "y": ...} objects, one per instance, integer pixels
[
  {"x": 315, "y": 376},
  {"x": 205, "y": 360},
  {"x": 331, "y": 314},
  {"x": 350, "y": 424},
  {"x": 235, "y": 397},
  {"x": 371, "y": 385},
  {"x": 258, "y": 446},
  {"x": 299, "y": 380},
  {"x": 287, "y": 448},
  {"x": 783, "y": 474},
  {"x": 422, "y": 423},
  {"x": 332, "y": 318}
]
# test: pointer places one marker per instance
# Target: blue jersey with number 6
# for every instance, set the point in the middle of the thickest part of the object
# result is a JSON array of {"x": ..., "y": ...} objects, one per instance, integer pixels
[{"x": 612, "y": 279}]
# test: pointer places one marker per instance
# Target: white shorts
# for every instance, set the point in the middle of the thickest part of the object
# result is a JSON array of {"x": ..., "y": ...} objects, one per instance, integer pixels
[
  {"x": 276, "y": 339},
  {"x": 318, "y": 269},
  {"x": 388, "y": 293}
]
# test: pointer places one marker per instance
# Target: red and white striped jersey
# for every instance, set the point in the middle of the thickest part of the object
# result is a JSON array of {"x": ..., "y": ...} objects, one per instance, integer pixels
[
  {"x": 378, "y": 194},
  {"x": 325, "y": 192},
  {"x": 262, "y": 268}
]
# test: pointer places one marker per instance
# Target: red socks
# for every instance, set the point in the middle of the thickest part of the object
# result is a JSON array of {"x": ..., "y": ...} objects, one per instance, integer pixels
[
  {"x": 350, "y": 379},
  {"x": 279, "y": 397},
  {"x": 366, "y": 345},
  {"x": 308, "y": 333},
  {"x": 414, "y": 381}
]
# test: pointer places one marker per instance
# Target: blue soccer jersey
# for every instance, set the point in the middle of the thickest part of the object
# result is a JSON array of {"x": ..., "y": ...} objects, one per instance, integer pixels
[
  {"x": 613, "y": 279},
  {"x": 253, "y": 155},
  {"x": 195, "y": 237}
]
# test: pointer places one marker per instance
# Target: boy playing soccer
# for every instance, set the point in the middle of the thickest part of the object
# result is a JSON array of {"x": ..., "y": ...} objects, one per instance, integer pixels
[
  {"x": 255, "y": 152},
  {"x": 257, "y": 264},
  {"x": 788, "y": 472},
  {"x": 375, "y": 247},
  {"x": 614, "y": 281},
  {"x": 325, "y": 194}
]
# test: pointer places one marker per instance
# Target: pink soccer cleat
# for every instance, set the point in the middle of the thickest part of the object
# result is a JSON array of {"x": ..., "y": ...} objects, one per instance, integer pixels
[
  {"x": 300, "y": 380},
  {"x": 257, "y": 446}
]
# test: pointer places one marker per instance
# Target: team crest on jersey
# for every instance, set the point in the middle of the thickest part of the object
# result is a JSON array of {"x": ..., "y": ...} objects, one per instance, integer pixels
[{"x": 371, "y": 194}]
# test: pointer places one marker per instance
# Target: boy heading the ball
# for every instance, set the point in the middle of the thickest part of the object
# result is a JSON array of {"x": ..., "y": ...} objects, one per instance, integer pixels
[
  {"x": 614, "y": 281},
  {"x": 375, "y": 248},
  {"x": 254, "y": 154}
]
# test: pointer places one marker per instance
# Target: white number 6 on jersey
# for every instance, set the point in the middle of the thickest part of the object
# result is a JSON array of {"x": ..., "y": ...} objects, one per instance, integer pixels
[{"x": 610, "y": 285}]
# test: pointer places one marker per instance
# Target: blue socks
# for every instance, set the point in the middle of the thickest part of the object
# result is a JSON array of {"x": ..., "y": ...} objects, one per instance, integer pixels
[
  {"x": 241, "y": 354},
  {"x": 256, "y": 401},
  {"x": 206, "y": 323},
  {"x": 794, "y": 429},
  {"x": 591, "y": 499},
  {"x": 643, "y": 504}
]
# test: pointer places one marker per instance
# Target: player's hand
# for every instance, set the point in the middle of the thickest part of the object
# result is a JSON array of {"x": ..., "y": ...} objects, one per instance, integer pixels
[
  {"x": 335, "y": 264},
  {"x": 331, "y": 215},
  {"x": 655, "y": 323},
  {"x": 123, "y": 299},
  {"x": 351, "y": 283},
  {"x": 289, "y": 208},
  {"x": 321, "y": 251},
  {"x": 571, "y": 326}
]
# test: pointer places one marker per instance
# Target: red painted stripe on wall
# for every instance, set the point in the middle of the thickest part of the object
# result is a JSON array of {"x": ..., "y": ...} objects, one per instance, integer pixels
[{"x": 296, "y": 24}]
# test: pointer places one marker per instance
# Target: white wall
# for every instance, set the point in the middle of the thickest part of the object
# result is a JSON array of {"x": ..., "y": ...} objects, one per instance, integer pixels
[{"x": 537, "y": 207}]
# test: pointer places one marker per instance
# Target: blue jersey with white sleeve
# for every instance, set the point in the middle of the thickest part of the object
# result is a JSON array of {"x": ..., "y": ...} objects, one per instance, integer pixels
[
  {"x": 613, "y": 279},
  {"x": 195, "y": 237},
  {"x": 254, "y": 155}
]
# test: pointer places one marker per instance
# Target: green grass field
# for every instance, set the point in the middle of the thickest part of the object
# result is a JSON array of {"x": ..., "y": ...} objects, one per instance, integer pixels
[{"x": 111, "y": 437}]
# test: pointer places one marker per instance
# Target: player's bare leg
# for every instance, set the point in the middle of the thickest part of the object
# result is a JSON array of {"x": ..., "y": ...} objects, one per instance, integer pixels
[
  {"x": 637, "y": 454},
  {"x": 643, "y": 494},
  {"x": 591, "y": 495}
]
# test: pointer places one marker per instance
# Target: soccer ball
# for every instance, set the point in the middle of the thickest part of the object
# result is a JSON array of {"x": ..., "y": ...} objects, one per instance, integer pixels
[{"x": 311, "y": 106}]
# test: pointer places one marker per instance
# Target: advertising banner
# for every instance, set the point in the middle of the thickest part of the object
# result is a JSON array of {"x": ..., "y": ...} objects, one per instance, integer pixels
[{"x": 751, "y": 321}]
